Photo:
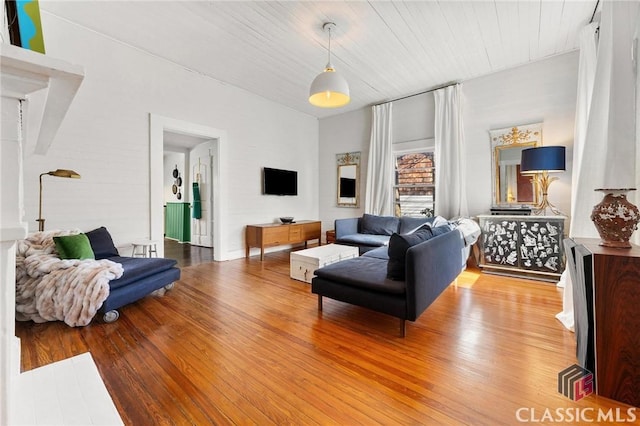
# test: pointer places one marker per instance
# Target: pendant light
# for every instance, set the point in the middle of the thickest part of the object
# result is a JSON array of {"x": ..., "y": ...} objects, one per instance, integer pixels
[{"x": 329, "y": 89}]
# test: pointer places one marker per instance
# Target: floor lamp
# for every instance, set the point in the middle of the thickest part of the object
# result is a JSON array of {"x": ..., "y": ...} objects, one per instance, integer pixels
[
  {"x": 57, "y": 173},
  {"x": 540, "y": 162}
]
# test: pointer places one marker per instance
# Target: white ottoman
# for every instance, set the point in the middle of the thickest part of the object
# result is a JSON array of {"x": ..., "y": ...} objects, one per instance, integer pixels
[{"x": 304, "y": 262}]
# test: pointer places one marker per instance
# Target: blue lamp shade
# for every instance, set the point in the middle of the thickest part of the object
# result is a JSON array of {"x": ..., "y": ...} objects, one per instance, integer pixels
[{"x": 543, "y": 159}]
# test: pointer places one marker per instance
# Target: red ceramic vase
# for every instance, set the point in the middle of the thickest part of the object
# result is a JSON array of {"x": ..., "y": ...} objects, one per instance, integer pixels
[{"x": 615, "y": 218}]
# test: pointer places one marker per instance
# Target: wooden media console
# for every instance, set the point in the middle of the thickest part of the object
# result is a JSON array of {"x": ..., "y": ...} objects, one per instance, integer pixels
[{"x": 276, "y": 234}]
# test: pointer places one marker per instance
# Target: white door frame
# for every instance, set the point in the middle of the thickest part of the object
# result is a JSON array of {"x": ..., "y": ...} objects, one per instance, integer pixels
[
  {"x": 157, "y": 126},
  {"x": 211, "y": 147}
]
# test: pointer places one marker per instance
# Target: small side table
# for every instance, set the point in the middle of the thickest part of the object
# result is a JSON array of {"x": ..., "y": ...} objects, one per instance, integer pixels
[
  {"x": 331, "y": 236},
  {"x": 144, "y": 248}
]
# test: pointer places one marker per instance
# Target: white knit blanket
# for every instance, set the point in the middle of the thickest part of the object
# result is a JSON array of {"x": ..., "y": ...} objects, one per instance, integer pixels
[{"x": 51, "y": 289}]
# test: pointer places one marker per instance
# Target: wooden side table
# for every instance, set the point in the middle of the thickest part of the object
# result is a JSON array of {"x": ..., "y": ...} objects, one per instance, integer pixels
[
  {"x": 606, "y": 295},
  {"x": 331, "y": 236}
]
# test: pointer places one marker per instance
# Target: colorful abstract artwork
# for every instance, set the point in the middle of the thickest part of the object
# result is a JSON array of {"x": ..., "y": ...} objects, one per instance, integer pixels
[{"x": 25, "y": 29}]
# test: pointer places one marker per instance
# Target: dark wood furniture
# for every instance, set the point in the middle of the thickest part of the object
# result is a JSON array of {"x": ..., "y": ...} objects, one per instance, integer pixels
[
  {"x": 606, "y": 293},
  {"x": 276, "y": 234},
  {"x": 331, "y": 236},
  {"x": 526, "y": 246}
]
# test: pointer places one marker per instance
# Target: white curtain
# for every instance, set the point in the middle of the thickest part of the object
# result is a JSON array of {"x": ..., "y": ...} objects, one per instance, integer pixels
[
  {"x": 451, "y": 195},
  {"x": 586, "y": 76},
  {"x": 636, "y": 196},
  {"x": 379, "y": 199},
  {"x": 617, "y": 86},
  {"x": 583, "y": 182},
  {"x": 607, "y": 156}
]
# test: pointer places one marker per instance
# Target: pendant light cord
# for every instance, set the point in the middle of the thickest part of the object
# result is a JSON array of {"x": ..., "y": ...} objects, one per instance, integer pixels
[{"x": 329, "y": 65}]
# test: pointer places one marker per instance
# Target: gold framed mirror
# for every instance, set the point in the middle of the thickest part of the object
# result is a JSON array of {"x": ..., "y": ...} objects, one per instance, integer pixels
[
  {"x": 348, "y": 189},
  {"x": 509, "y": 186}
]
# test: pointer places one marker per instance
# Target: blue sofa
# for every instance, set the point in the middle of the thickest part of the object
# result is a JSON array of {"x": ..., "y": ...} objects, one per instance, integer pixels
[
  {"x": 141, "y": 275},
  {"x": 401, "y": 280},
  {"x": 371, "y": 231}
]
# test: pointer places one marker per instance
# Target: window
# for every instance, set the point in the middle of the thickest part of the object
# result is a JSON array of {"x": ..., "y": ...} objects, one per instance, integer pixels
[{"x": 414, "y": 189}]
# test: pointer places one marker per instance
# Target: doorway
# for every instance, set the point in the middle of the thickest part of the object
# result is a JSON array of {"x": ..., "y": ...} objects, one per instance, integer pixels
[
  {"x": 188, "y": 165},
  {"x": 197, "y": 135},
  {"x": 201, "y": 160}
]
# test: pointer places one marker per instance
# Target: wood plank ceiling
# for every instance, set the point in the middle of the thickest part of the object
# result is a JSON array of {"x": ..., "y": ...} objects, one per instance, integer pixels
[{"x": 385, "y": 49}]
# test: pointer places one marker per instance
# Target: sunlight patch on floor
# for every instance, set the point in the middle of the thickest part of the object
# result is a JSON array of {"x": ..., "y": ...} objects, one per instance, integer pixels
[{"x": 467, "y": 278}]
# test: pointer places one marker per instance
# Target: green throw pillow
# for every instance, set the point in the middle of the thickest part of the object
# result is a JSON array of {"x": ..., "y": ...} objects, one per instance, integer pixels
[{"x": 74, "y": 247}]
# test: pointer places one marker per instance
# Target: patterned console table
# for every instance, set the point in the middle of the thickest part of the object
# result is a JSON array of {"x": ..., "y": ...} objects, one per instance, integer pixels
[{"x": 529, "y": 246}]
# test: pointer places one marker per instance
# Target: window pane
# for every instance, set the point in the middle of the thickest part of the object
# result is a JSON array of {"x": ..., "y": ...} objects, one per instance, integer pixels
[{"x": 414, "y": 192}]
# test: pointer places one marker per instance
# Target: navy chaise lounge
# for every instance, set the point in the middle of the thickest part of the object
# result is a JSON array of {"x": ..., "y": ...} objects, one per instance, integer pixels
[
  {"x": 401, "y": 280},
  {"x": 141, "y": 275}
]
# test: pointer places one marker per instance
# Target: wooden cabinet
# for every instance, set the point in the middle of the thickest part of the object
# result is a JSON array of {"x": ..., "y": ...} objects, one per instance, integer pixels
[
  {"x": 606, "y": 291},
  {"x": 275, "y": 234},
  {"x": 529, "y": 246}
]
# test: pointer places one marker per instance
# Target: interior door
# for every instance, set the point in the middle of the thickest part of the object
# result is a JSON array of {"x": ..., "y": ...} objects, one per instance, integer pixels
[{"x": 200, "y": 159}]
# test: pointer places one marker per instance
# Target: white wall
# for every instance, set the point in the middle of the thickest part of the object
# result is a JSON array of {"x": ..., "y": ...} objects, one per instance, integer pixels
[
  {"x": 170, "y": 161},
  {"x": 412, "y": 120},
  {"x": 544, "y": 91},
  {"x": 105, "y": 137},
  {"x": 349, "y": 132}
]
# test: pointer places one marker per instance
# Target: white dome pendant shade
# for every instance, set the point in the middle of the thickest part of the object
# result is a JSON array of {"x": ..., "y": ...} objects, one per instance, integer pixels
[{"x": 329, "y": 89}]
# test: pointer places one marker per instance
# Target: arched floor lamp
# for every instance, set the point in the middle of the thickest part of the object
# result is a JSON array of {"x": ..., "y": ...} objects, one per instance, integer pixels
[{"x": 63, "y": 173}]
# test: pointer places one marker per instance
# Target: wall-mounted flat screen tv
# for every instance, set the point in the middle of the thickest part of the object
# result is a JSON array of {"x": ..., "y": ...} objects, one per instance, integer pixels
[
  {"x": 347, "y": 187},
  {"x": 279, "y": 182}
]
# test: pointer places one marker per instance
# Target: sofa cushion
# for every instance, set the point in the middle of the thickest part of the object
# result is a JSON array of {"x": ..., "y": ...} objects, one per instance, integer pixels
[
  {"x": 101, "y": 243},
  {"x": 378, "y": 253},
  {"x": 411, "y": 224},
  {"x": 379, "y": 225},
  {"x": 73, "y": 247},
  {"x": 365, "y": 272},
  {"x": 399, "y": 244},
  {"x": 137, "y": 268},
  {"x": 439, "y": 230},
  {"x": 365, "y": 240}
]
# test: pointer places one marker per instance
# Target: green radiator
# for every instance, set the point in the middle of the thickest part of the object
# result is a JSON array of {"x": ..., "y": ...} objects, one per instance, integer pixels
[{"x": 177, "y": 222}]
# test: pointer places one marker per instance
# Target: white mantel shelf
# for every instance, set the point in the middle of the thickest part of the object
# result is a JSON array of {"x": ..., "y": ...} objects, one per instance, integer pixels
[{"x": 25, "y": 72}]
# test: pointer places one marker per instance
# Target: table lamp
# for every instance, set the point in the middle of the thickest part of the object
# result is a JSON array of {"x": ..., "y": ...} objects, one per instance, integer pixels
[{"x": 539, "y": 162}]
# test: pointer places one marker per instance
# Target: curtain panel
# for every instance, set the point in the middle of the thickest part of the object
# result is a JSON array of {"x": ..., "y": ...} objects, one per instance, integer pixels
[
  {"x": 605, "y": 140},
  {"x": 378, "y": 194},
  {"x": 586, "y": 76},
  {"x": 450, "y": 194}
]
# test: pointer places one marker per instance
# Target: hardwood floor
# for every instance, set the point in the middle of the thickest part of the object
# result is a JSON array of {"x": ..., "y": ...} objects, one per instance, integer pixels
[
  {"x": 239, "y": 342},
  {"x": 187, "y": 254}
]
